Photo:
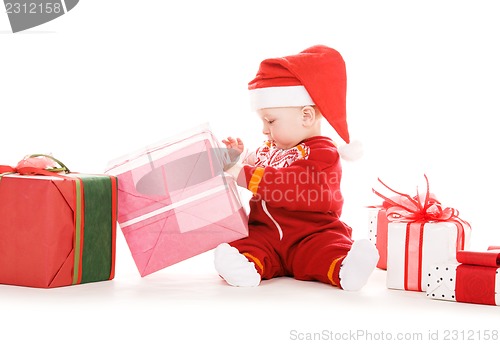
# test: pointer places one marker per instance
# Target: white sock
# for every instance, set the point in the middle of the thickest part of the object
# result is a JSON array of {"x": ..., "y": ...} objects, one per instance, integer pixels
[
  {"x": 235, "y": 268},
  {"x": 358, "y": 265}
]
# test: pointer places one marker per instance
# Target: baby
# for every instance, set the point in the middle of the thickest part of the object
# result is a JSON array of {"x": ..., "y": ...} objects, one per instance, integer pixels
[{"x": 294, "y": 222}]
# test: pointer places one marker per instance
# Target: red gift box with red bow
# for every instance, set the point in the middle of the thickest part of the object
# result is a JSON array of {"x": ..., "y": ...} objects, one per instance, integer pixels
[{"x": 420, "y": 232}]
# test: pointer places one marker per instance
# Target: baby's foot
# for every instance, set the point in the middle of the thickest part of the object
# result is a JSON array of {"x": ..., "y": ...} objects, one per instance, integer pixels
[
  {"x": 358, "y": 265},
  {"x": 235, "y": 268}
]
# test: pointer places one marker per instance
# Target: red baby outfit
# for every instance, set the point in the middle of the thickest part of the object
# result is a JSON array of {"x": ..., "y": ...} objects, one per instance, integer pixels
[{"x": 294, "y": 225}]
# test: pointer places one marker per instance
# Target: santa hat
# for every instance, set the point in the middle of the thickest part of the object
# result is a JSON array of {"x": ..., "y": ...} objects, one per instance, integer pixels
[{"x": 315, "y": 76}]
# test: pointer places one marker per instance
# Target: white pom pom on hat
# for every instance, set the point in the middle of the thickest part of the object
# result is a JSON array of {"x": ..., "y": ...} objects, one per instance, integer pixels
[
  {"x": 351, "y": 151},
  {"x": 315, "y": 76}
]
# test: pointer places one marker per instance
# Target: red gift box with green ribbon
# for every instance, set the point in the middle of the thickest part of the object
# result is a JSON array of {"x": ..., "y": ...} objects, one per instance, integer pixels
[{"x": 57, "y": 228}]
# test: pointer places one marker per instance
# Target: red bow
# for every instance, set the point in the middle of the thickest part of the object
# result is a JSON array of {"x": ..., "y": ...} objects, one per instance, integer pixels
[
  {"x": 407, "y": 208},
  {"x": 36, "y": 164}
]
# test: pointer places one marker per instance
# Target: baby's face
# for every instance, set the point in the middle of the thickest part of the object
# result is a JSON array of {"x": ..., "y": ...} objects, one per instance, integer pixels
[{"x": 283, "y": 125}]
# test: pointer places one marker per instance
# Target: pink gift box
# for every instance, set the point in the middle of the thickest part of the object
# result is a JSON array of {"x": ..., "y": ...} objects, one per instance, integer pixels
[{"x": 175, "y": 201}]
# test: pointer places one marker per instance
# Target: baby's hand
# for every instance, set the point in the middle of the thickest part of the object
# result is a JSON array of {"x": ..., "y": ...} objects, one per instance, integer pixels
[
  {"x": 234, "y": 147},
  {"x": 234, "y": 144}
]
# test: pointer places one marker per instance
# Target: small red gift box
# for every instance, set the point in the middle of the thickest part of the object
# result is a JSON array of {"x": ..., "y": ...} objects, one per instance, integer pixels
[
  {"x": 378, "y": 227},
  {"x": 56, "y": 229},
  {"x": 476, "y": 279}
]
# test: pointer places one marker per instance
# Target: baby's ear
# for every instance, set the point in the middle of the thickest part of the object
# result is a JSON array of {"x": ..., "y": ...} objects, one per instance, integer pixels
[{"x": 308, "y": 115}]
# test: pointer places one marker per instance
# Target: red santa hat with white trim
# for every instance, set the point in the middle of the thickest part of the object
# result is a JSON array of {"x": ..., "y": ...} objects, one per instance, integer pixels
[{"x": 315, "y": 76}]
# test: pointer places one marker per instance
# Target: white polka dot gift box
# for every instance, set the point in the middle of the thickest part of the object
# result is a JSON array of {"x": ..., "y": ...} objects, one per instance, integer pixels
[{"x": 474, "y": 279}]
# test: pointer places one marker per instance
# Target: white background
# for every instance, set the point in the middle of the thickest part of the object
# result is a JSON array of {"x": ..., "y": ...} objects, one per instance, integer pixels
[{"x": 112, "y": 76}]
